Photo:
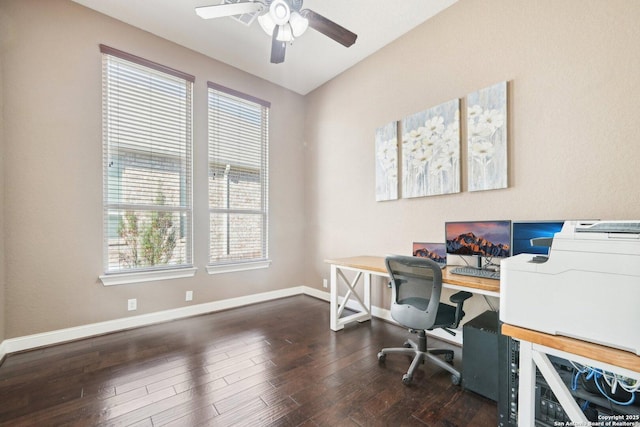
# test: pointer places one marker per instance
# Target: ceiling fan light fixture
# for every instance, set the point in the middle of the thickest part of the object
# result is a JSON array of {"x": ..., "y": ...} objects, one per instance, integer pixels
[
  {"x": 282, "y": 20},
  {"x": 280, "y": 12},
  {"x": 267, "y": 23},
  {"x": 284, "y": 33},
  {"x": 298, "y": 24}
]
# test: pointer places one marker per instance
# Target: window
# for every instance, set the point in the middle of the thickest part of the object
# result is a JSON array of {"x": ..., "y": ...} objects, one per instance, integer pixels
[
  {"x": 238, "y": 180},
  {"x": 147, "y": 165}
]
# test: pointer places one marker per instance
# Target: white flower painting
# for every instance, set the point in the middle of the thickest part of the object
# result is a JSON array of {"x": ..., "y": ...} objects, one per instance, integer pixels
[
  {"x": 431, "y": 151},
  {"x": 387, "y": 162},
  {"x": 487, "y": 138}
]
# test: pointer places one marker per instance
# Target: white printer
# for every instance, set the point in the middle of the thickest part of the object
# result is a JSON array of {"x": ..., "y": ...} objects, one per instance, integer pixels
[{"x": 587, "y": 288}]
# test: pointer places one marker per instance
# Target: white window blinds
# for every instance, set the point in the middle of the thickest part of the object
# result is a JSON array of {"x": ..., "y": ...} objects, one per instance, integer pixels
[
  {"x": 238, "y": 177},
  {"x": 147, "y": 164}
]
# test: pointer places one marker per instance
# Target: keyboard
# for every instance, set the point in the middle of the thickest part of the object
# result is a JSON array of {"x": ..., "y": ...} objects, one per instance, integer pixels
[{"x": 475, "y": 272}]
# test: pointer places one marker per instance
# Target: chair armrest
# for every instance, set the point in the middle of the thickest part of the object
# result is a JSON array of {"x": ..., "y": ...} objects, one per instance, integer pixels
[{"x": 459, "y": 297}]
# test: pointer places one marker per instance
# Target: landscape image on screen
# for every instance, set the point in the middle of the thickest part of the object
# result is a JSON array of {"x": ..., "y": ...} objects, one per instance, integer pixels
[
  {"x": 434, "y": 251},
  {"x": 483, "y": 238}
]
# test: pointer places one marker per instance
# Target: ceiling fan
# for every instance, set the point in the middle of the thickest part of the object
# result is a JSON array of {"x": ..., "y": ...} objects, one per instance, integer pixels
[{"x": 282, "y": 20}]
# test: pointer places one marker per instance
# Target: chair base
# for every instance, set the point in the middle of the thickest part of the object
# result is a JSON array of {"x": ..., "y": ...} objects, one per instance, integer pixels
[{"x": 421, "y": 353}]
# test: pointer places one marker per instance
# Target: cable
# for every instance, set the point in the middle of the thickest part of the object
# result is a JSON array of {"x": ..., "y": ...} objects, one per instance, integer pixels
[
  {"x": 585, "y": 405},
  {"x": 463, "y": 258},
  {"x": 489, "y": 261},
  {"x": 611, "y": 399},
  {"x": 612, "y": 380},
  {"x": 578, "y": 370}
]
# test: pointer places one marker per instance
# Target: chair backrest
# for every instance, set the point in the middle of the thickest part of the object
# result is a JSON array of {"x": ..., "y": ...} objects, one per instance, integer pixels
[{"x": 417, "y": 285}]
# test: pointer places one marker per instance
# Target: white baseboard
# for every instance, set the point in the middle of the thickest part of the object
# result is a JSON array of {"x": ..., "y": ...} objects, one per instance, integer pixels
[
  {"x": 29, "y": 342},
  {"x": 3, "y": 350},
  {"x": 316, "y": 293}
]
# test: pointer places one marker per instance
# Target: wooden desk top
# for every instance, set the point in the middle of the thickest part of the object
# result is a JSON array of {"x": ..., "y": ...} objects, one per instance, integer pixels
[
  {"x": 376, "y": 263},
  {"x": 612, "y": 356}
]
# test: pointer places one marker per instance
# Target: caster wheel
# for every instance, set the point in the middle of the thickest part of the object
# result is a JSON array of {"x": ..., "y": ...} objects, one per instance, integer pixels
[
  {"x": 381, "y": 357},
  {"x": 455, "y": 379},
  {"x": 406, "y": 344},
  {"x": 448, "y": 358}
]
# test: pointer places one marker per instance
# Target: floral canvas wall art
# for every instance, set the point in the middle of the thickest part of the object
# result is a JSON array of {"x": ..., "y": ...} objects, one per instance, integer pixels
[
  {"x": 431, "y": 151},
  {"x": 487, "y": 138},
  {"x": 386, "y": 139}
]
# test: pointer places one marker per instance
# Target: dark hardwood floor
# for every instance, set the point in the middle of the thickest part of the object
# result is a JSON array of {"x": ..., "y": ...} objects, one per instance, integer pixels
[{"x": 275, "y": 363}]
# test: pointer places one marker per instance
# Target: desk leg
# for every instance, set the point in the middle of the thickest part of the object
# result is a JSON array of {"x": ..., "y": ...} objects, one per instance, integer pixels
[
  {"x": 526, "y": 386},
  {"x": 367, "y": 296},
  {"x": 560, "y": 390},
  {"x": 362, "y": 302},
  {"x": 530, "y": 357},
  {"x": 334, "y": 300}
]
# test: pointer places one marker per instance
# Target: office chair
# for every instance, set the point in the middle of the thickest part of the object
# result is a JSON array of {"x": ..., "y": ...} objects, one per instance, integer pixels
[{"x": 417, "y": 284}]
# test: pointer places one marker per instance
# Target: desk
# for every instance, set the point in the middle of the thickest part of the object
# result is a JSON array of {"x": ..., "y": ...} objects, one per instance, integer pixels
[
  {"x": 534, "y": 348},
  {"x": 368, "y": 266}
]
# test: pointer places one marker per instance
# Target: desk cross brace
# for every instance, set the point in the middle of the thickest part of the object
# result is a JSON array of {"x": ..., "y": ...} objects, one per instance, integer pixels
[{"x": 337, "y": 321}]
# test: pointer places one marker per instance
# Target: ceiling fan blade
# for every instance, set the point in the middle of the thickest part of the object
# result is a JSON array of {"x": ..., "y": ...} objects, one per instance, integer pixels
[
  {"x": 278, "y": 48},
  {"x": 329, "y": 28},
  {"x": 228, "y": 9}
]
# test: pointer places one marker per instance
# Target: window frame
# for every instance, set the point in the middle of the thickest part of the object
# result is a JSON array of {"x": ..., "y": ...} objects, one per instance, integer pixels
[
  {"x": 155, "y": 272},
  {"x": 235, "y": 265}
]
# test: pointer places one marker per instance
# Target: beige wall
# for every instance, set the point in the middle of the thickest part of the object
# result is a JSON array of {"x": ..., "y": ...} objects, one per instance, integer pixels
[
  {"x": 574, "y": 68},
  {"x": 53, "y": 173}
]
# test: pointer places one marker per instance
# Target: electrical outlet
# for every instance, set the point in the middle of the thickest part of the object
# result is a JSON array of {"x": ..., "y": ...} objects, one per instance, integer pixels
[
  {"x": 132, "y": 304},
  {"x": 189, "y": 296},
  {"x": 324, "y": 283}
]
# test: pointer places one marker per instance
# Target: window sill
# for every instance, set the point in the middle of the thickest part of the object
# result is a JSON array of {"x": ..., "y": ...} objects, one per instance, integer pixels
[
  {"x": 230, "y": 268},
  {"x": 146, "y": 276}
]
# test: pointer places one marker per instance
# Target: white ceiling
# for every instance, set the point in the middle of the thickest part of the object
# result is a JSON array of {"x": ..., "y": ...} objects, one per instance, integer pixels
[{"x": 312, "y": 60}]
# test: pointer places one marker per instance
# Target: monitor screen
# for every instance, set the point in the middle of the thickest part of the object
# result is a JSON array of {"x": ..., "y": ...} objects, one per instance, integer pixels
[
  {"x": 481, "y": 238},
  {"x": 524, "y": 231},
  {"x": 435, "y": 251}
]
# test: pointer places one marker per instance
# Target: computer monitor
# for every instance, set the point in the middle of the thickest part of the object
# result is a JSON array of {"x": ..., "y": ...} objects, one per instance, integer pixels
[
  {"x": 434, "y": 251},
  {"x": 523, "y": 231},
  {"x": 483, "y": 239}
]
